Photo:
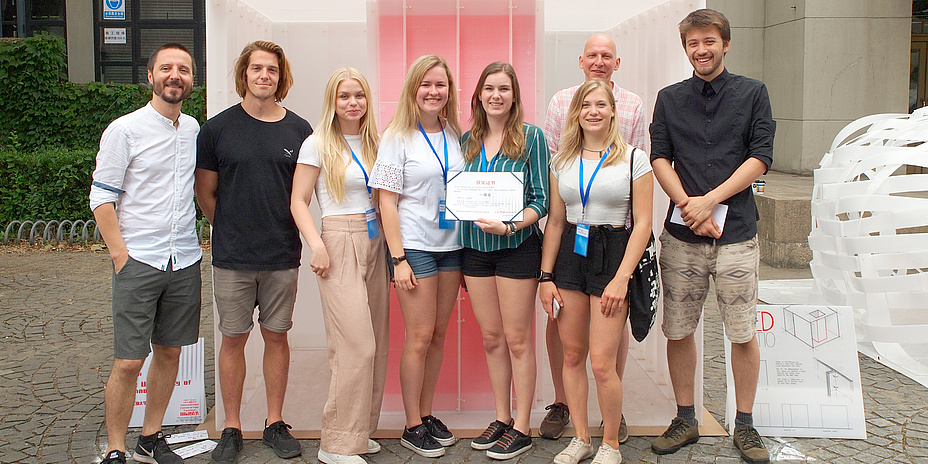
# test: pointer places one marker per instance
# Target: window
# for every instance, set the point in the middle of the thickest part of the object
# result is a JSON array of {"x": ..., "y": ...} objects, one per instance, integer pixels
[
  {"x": 148, "y": 25},
  {"x": 25, "y": 18}
]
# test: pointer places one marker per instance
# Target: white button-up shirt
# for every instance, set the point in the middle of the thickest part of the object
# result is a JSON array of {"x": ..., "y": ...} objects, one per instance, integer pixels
[{"x": 145, "y": 166}]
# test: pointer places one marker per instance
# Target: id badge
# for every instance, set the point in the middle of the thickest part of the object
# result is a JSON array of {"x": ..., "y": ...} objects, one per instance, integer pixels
[
  {"x": 372, "y": 229},
  {"x": 582, "y": 239},
  {"x": 442, "y": 222}
]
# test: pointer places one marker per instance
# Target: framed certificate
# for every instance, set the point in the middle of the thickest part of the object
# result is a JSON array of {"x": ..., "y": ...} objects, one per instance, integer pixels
[{"x": 476, "y": 195}]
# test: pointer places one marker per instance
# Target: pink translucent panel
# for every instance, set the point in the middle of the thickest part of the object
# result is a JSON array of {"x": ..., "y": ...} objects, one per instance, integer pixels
[{"x": 432, "y": 28}]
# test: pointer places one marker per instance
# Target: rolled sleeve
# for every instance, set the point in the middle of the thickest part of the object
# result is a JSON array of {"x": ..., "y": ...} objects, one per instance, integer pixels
[
  {"x": 537, "y": 148},
  {"x": 112, "y": 162},
  {"x": 661, "y": 146},
  {"x": 763, "y": 128}
]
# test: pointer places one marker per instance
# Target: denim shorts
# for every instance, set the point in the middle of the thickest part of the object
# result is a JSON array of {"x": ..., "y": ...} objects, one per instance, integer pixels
[{"x": 428, "y": 263}]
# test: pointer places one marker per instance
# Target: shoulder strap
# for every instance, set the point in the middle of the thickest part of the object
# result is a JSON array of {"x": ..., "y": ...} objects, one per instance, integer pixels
[{"x": 631, "y": 188}]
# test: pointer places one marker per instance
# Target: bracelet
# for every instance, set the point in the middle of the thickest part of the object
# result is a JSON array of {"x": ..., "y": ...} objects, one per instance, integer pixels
[
  {"x": 510, "y": 229},
  {"x": 545, "y": 276}
]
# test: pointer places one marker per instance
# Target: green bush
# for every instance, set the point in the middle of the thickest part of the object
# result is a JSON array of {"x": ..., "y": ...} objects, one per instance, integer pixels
[
  {"x": 46, "y": 185},
  {"x": 50, "y": 129},
  {"x": 43, "y": 111}
]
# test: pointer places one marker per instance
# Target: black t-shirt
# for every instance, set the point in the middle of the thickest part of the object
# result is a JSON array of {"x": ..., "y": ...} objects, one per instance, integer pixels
[{"x": 252, "y": 226}]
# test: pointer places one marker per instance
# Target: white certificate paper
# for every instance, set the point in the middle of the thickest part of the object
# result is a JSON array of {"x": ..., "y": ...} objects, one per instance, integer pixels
[
  {"x": 718, "y": 213},
  {"x": 476, "y": 195}
]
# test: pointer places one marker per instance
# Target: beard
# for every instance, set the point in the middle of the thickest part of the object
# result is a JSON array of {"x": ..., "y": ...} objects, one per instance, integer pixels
[{"x": 171, "y": 96}]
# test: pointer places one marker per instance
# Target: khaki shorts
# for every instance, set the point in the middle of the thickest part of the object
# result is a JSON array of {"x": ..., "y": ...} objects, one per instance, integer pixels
[
  {"x": 685, "y": 270},
  {"x": 237, "y": 293}
]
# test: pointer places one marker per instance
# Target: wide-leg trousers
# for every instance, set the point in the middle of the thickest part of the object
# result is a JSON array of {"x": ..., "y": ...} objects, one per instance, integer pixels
[{"x": 356, "y": 308}]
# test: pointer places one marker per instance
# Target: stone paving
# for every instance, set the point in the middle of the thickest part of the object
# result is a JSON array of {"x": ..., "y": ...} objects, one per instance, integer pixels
[{"x": 56, "y": 334}]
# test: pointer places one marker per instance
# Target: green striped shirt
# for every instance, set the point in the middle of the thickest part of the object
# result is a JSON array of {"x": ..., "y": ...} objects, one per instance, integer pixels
[{"x": 534, "y": 164}]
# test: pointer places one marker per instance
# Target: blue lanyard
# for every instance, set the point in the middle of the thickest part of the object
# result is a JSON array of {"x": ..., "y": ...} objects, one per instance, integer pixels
[
  {"x": 584, "y": 196},
  {"x": 370, "y": 196},
  {"x": 444, "y": 167},
  {"x": 483, "y": 159}
]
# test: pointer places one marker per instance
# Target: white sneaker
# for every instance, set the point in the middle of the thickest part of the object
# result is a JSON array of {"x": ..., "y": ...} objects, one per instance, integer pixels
[
  {"x": 575, "y": 452},
  {"x": 607, "y": 455},
  {"x": 372, "y": 446},
  {"x": 334, "y": 458}
]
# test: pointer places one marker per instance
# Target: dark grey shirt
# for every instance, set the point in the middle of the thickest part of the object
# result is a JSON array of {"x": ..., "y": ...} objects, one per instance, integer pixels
[{"x": 707, "y": 130}]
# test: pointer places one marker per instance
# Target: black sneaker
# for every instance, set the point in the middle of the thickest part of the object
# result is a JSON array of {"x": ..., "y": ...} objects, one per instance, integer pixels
[
  {"x": 154, "y": 450},
  {"x": 114, "y": 457},
  {"x": 421, "y": 442},
  {"x": 488, "y": 438},
  {"x": 277, "y": 436},
  {"x": 512, "y": 444},
  {"x": 552, "y": 426},
  {"x": 438, "y": 431},
  {"x": 226, "y": 451}
]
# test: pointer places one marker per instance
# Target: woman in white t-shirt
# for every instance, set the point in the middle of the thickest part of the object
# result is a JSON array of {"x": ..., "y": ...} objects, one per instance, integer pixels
[
  {"x": 588, "y": 257},
  {"x": 349, "y": 260},
  {"x": 419, "y": 147}
]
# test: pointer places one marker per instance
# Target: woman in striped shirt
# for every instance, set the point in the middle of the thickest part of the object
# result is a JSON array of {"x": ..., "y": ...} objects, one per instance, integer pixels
[{"x": 502, "y": 259}]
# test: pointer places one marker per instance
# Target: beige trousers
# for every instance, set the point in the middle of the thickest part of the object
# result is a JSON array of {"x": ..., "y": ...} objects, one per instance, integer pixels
[{"x": 356, "y": 309}]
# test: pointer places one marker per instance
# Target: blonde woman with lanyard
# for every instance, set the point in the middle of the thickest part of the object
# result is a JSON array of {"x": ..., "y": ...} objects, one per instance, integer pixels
[
  {"x": 588, "y": 257},
  {"x": 349, "y": 260},
  {"x": 418, "y": 149},
  {"x": 501, "y": 259}
]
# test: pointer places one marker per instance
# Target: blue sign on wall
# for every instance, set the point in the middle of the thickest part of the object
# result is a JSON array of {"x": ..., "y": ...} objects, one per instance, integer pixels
[{"x": 114, "y": 9}]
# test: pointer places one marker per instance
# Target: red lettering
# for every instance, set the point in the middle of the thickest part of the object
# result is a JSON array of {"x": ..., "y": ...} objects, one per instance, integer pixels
[{"x": 765, "y": 319}]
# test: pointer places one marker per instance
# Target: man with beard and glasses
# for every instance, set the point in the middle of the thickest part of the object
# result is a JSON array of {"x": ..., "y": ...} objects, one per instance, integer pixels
[
  {"x": 711, "y": 136},
  {"x": 142, "y": 200}
]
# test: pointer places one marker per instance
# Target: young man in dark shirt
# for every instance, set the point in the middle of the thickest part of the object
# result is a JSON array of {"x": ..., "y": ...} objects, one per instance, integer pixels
[
  {"x": 711, "y": 136},
  {"x": 246, "y": 157}
]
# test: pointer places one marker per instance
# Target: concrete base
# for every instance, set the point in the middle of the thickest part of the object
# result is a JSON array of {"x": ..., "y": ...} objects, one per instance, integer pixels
[{"x": 785, "y": 220}]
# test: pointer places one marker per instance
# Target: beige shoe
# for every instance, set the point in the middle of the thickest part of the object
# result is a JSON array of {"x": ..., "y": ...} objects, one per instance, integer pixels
[
  {"x": 607, "y": 455},
  {"x": 575, "y": 452}
]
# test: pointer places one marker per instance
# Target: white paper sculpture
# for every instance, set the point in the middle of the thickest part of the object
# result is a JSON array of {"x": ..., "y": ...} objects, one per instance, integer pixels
[{"x": 869, "y": 235}]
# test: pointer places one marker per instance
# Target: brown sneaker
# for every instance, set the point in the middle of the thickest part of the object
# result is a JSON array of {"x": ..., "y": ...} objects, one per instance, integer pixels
[
  {"x": 623, "y": 431},
  {"x": 678, "y": 435},
  {"x": 751, "y": 445},
  {"x": 552, "y": 426}
]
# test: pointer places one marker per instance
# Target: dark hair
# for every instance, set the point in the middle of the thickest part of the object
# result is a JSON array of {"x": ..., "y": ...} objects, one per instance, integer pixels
[
  {"x": 244, "y": 59},
  {"x": 168, "y": 46},
  {"x": 705, "y": 19}
]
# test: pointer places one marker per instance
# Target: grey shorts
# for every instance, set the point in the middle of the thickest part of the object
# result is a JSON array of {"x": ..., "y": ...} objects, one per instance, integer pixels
[
  {"x": 237, "y": 293},
  {"x": 153, "y": 306},
  {"x": 685, "y": 270}
]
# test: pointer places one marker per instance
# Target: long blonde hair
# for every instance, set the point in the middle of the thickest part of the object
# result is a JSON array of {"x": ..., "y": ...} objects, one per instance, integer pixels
[
  {"x": 330, "y": 141},
  {"x": 571, "y": 142},
  {"x": 407, "y": 111},
  {"x": 513, "y": 134}
]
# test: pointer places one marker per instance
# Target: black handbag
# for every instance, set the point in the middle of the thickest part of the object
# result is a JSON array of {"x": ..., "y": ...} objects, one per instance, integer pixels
[{"x": 644, "y": 286}]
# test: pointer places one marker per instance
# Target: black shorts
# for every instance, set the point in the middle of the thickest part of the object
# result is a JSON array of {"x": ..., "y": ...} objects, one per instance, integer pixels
[
  {"x": 592, "y": 273},
  {"x": 521, "y": 262}
]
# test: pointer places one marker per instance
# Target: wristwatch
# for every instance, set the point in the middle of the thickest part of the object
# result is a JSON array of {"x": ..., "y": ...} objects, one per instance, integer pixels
[
  {"x": 396, "y": 261},
  {"x": 545, "y": 276}
]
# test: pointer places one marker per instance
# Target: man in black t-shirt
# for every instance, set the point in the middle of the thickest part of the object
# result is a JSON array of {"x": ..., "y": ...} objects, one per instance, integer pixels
[
  {"x": 711, "y": 136},
  {"x": 246, "y": 156}
]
